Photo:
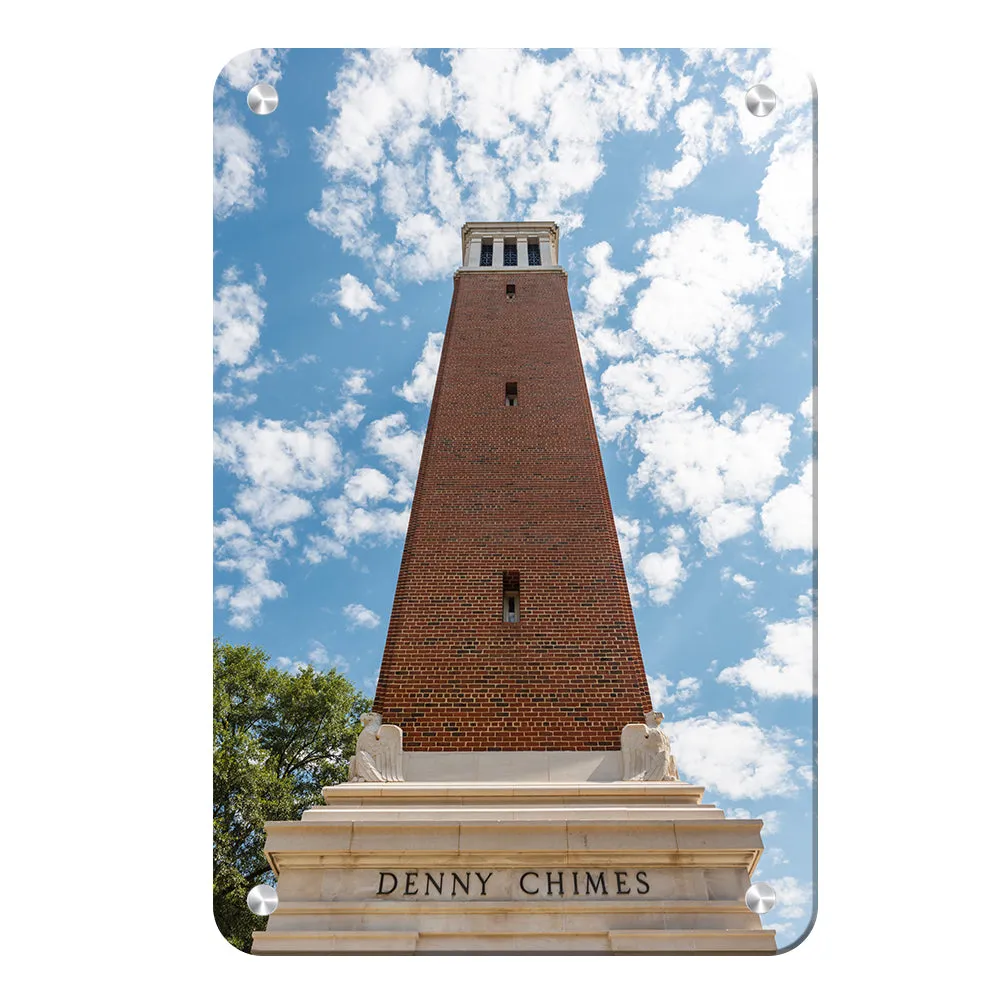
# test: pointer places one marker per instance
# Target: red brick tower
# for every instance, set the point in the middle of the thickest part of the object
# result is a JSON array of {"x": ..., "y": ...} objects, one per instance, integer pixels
[{"x": 511, "y": 627}]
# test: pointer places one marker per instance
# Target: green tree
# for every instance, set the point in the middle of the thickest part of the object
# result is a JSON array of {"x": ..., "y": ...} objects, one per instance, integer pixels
[{"x": 279, "y": 738}]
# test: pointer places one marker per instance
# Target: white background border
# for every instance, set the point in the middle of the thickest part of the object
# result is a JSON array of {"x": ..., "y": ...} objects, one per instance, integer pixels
[{"x": 107, "y": 404}]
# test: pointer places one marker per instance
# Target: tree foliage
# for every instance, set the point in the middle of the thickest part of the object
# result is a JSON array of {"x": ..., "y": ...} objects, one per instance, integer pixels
[{"x": 279, "y": 738}]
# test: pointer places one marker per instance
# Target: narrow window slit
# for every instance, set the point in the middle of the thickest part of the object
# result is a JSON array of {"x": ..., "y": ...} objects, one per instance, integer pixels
[
  {"x": 510, "y": 291},
  {"x": 510, "y": 394},
  {"x": 511, "y": 596}
]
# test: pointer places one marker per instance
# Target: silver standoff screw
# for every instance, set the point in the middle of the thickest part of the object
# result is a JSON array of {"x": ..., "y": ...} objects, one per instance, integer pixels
[
  {"x": 263, "y": 900},
  {"x": 760, "y": 897},
  {"x": 262, "y": 99},
  {"x": 761, "y": 100}
]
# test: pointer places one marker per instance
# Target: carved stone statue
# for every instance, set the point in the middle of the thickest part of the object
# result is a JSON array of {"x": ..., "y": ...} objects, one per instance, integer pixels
[
  {"x": 378, "y": 755},
  {"x": 646, "y": 752}
]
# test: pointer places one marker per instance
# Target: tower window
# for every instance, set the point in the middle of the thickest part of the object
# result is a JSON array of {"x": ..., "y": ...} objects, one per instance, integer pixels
[
  {"x": 510, "y": 394},
  {"x": 510, "y": 255},
  {"x": 534, "y": 254},
  {"x": 510, "y": 291},
  {"x": 486, "y": 255},
  {"x": 512, "y": 596}
]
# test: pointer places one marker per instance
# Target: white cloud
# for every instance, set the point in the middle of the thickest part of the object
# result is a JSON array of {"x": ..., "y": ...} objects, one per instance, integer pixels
[
  {"x": 356, "y": 297},
  {"x": 663, "y": 573},
  {"x": 793, "y": 899},
  {"x": 351, "y": 525},
  {"x": 604, "y": 293},
  {"x": 367, "y": 484},
  {"x": 788, "y": 80},
  {"x": 234, "y": 400},
  {"x": 236, "y": 158},
  {"x": 279, "y": 455},
  {"x": 361, "y": 617},
  {"x": 346, "y": 212},
  {"x": 804, "y": 568},
  {"x": 743, "y": 582},
  {"x": 420, "y": 388},
  {"x": 529, "y": 142},
  {"x": 783, "y": 667},
  {"x": 807, "y": 408},
  {"x": 733, "y": 755},
  {"x": 269, "y": 507},
  {"x": 253, "y": 66},
  {"x": 240, "y": 550},
  {"x": 392, "y": 438},
  {"x": 702, "y": 132},
  {"x": 699, "y": 273},
  {"x": 237, "y": 315},
  {"x": 356, "y": 382},
  {"x": 629, "y": 530},
  {"x": 650, "y": 385},
  {"x": 685, "y": 690},
  {"x": 693, "y": 461},
  {"x": 318, "y": 655},
  {"x": 786, "y": 204},
  {"x": 728, "y": 520},
  {"x": 787, "y": 518}
]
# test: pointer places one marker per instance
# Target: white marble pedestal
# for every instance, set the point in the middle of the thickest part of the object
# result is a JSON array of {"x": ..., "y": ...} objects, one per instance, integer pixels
[{"x": 513, "y": 852}]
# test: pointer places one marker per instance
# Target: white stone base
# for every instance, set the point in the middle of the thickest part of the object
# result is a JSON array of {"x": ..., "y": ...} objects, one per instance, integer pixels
[{"x": 543, "y": 864}]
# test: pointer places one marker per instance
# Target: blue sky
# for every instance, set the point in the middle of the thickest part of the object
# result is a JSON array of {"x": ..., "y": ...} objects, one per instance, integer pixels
[{"x": 686, "y": 230}]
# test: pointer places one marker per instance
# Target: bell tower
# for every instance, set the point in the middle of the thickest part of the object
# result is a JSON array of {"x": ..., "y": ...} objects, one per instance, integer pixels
[
  {"x": 511, "y": 627},
  {"x": 512, "y": 791}
]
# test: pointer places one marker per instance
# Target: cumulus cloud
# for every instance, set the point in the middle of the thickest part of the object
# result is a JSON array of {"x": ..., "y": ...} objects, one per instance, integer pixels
[
  {"x": 685, "y": 690},
  {"x": 629, "y": 530},
  {"x": 269, "y": 507},
  {"x": 350, "y": 524},
  {"x": 700, "y": 273},
  {"x": 528, "y": 144},
  {"x": 694, "y": 462},
  {"x": 728, "y": 520},
  {"x": 663, "y": 573},
  {"x": 392, "y": 438},
  {"x": 367, "y": 484},
  {"x": 787, "y": 518},
  {"x": 786, "y": 201},
  {"x": 733, "y": 755},
  {"x": 783, "y": 667},
  {"x": 420, "y": 387},
  {"x": 356, "y": 297},
  {"x": 360, "y": 617},
  {"x": 236, "y": 158},
  {"x": 702, "y": 132},
  {"x": 280, "y": 455},
  {"x": 251, "y": 67},
  {"x": 237, "y": 315},
  {"x": 604, "y": 293},
  {"x": 239, "y": 549},
  {"x": 356, "y": 382},
  {"x": 807, "y": 408}
]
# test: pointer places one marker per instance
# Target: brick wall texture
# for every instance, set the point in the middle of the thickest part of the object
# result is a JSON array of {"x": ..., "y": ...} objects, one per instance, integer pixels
[{"x": 506, "y": 489}]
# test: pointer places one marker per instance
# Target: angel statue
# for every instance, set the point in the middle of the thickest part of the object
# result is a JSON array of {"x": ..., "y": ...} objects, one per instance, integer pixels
[
  {"x": 378, "y": 755},
  {"x": 646, "y": 752}
]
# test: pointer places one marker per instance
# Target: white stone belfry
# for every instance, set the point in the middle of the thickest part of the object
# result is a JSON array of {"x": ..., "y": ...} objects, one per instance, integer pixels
[{"x": 522, "y": 237}]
